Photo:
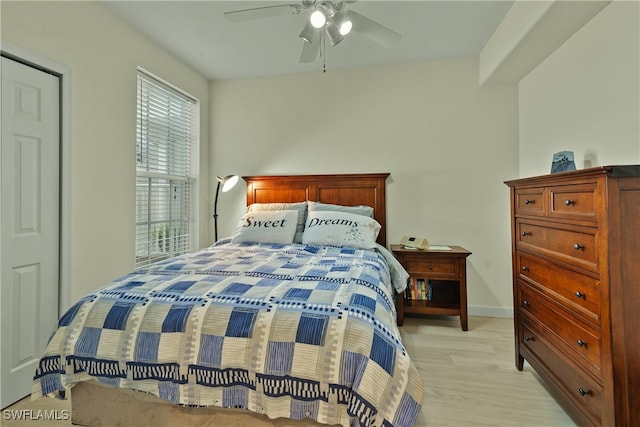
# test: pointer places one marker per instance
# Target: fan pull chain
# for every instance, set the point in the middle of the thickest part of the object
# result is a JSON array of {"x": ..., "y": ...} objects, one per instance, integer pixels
[{"x": 323, "y": 51}]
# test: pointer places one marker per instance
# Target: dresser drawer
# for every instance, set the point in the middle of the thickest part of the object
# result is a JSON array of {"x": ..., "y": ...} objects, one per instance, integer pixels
[
  {"x": 579, "y": 292},
  {"x": 573, "y": 244},
  {"x": 574, "y": 202},
  {"x": 432, "y": 267},
  {"x": 582, "y": 343},
  {"x": 530, "y": 201},
  {"x": 584, "y": 391}
]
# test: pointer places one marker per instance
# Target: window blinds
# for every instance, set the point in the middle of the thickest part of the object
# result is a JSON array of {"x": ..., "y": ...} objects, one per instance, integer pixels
[{"x": 165, "y": 121}]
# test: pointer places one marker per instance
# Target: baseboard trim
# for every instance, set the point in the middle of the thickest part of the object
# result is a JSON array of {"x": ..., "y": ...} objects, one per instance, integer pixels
[{"x": 486, "y": 311}]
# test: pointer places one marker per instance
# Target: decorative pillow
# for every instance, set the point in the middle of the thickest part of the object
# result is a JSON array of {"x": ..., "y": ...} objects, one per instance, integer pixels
[
  {"x": 301, "y": 207},
  {"x": 340, "y": 229},
  {"x": 266, "y": 227},
  {"x": 357, "y": 210}
]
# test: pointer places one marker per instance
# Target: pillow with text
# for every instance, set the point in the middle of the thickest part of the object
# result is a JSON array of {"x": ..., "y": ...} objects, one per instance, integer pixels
[
  {"x": 301, "y": 207},
  {"x": 340, "y": 229},
  {"x": 266, "y": 227}
]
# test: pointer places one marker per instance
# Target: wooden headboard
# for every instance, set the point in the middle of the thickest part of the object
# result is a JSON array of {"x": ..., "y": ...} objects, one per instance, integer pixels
[{"x": 338, "y": 189}]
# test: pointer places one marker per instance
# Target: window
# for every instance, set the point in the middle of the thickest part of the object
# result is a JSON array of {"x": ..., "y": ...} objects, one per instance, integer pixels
[{"x": 164, "y": 173}]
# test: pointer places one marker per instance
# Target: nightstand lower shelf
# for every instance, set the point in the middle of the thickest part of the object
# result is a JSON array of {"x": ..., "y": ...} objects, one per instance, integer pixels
[{"x": 422, "y": 307}]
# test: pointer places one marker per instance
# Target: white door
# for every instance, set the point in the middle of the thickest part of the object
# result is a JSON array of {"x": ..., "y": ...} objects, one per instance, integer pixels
[{"x": 29, "y": 222}]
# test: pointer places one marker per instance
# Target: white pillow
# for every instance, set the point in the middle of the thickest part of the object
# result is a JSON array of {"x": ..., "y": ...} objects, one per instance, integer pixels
[
  {"x": 358, "y": 210},
  {"x": 340, "y": 229},
  {"x": 266, "y": 227},
  {"x": 301, "y": 207}
]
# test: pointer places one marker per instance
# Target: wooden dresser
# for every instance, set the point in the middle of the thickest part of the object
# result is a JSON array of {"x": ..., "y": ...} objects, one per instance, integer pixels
[{"x": 576, "y": 289}]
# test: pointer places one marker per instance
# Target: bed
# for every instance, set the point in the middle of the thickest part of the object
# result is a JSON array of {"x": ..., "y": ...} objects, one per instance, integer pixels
[{"x": 298, "y": 332}]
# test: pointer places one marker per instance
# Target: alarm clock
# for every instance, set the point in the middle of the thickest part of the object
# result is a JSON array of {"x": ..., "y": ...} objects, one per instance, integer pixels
[{"x": 410, "y": 242}]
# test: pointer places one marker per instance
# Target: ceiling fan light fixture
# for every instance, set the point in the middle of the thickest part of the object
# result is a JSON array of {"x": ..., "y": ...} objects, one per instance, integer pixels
[
  {"x": 345, "y": 27},
  {"x": 318, "y": 19},
  {"x": 326, "y": 19},
  {"x": 309, "y": 33},
  {"x": 344, "y": 24},
  {"x": 334, "y": 34}
]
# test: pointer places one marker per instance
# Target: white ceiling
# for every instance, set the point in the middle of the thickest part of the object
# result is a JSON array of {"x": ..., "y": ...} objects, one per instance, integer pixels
[{"x": 198, "y": 33}]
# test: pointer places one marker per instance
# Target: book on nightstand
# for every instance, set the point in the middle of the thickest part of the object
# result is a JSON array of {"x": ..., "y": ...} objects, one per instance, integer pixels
[{"x": 419, "y": 289}]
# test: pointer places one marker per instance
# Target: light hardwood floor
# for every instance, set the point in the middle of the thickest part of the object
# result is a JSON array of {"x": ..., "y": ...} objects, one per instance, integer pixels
[{"x": 470, "y": 379}]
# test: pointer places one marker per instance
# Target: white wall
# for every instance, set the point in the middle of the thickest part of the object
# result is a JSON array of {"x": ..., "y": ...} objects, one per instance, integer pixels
[
  {"x": 103, "y": 54},
  {"x": 448, "y": 144},
  {"x": 585, "y": 97}
]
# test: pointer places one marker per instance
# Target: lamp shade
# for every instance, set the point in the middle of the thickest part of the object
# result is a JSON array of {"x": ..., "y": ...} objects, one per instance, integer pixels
[
  {"x": 309, "y": 33},
  {"x": 318, "y": 19},
  {"x": 334, "y": 34},
  {"x": 345, "y": 27},
  {"x": 228, "y": 182},
  {"x": 342, "y": 21}
]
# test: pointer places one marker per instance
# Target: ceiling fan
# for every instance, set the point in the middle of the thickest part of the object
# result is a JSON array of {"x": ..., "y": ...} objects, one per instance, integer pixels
[{"x": 329, "y": 19}]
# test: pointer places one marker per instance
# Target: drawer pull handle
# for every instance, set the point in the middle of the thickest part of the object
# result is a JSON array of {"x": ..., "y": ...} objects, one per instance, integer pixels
[
  {"x": 526, "y": 233},
  {"x": 584, "y": 392},
  {"x": 578, "y": 247},
  {"x": 526, "y": 304},
  {"x": 525, "y": 268},
  {"x": 430, "y": 267},
  {"x": 569, "y": 202},
  {"x": 528, "y": 201},
  {"x": 580, "y": 295},
  {"x": 528, "y": 338},
  {"x": 581, "y": 343}
]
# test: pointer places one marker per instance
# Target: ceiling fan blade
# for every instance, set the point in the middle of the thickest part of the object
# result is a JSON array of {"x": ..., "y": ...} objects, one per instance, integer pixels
[
  {"x": 310, "y": 52},
  {"x": 369, "y": 28},
  {"x": 262, "y": 12}
]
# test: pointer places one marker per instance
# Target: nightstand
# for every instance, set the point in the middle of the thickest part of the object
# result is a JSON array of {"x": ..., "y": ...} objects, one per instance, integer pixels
[{"x": 437, "y": 284}]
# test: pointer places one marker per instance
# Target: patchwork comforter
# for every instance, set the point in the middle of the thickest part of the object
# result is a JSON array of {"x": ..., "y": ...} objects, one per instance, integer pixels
[{"x": 290, "y": 331}]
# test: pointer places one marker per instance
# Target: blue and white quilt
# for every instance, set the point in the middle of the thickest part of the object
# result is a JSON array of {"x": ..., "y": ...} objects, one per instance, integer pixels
[{"x": 292, "y": 331}]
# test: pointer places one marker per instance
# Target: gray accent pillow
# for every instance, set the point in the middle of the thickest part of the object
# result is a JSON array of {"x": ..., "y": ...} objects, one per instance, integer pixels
[{"x": 356, "y": 210}]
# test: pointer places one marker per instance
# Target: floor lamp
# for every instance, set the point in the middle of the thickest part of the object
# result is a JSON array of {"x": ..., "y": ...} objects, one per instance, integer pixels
[{"x": 227, "y": 183}]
